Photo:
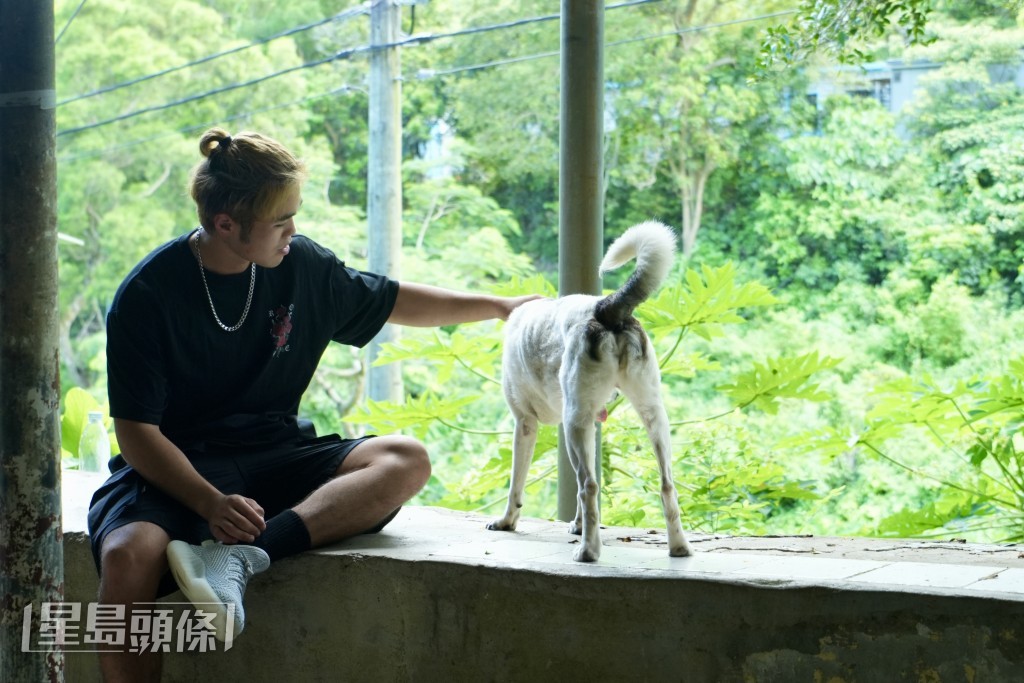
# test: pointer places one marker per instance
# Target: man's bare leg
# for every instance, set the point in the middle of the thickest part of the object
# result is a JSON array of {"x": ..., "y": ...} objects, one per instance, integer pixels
[
  {"x": 133, "y": 560},
  {"x": 378, "y": 476}
]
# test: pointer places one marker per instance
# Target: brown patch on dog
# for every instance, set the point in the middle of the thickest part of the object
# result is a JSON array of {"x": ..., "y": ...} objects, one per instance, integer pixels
[
  {"x": 632, "y": 342},
  {"x": 595, "y": 333},
  {"x": 630, "y": 336}
]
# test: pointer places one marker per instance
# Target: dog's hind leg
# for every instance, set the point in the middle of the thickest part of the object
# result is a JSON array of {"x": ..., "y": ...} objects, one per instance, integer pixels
[
  {"x": 649, "y": 406},
  {"x": 576, "y": 525},
  {"x": 523, "y": 441},
  {"x": 579, "y": 436}
]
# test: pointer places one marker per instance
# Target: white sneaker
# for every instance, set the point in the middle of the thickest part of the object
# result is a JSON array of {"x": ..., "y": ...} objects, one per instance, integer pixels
[{"x": 214, "y": 575}]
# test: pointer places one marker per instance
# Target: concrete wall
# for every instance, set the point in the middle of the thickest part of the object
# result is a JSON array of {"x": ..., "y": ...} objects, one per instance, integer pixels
[{"x": 399, "y": 611}]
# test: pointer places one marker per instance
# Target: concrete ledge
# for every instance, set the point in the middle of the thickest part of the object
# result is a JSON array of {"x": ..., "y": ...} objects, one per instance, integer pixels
[{"x": 436, "y": 597}]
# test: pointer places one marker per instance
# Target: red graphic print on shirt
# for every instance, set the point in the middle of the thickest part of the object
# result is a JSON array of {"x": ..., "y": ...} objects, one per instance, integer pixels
[{"x": 281, "y": 327}]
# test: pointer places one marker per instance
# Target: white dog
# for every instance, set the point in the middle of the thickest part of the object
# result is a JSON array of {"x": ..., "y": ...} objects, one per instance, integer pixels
[{"x": 563, "y": 360}]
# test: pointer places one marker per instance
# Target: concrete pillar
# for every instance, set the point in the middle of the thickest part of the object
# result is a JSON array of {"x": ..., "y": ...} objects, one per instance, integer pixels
[
  {"x": 384, "y": 181},
  {"x": 31, "y": 550},
  {"x": 580, "y": 191}
]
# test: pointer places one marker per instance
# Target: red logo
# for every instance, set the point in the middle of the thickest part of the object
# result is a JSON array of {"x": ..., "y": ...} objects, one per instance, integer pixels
[{"x": 281, "y": 327}]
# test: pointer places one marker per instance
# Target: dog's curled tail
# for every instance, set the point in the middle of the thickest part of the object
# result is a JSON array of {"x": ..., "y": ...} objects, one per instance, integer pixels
[{"x": 653, "y": 244}]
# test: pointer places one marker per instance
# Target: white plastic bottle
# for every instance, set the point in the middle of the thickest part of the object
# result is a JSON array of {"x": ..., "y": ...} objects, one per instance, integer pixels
[{"x": 94, "y": 445}]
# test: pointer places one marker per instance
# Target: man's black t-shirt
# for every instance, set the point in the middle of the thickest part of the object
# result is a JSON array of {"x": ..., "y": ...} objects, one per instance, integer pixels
[{"x": 170, "y": 364}]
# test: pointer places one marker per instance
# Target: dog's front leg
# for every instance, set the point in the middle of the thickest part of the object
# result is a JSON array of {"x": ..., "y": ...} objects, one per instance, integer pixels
[
  {"x": 523, "y": 441},
  {"x": 580, "y": 434}
]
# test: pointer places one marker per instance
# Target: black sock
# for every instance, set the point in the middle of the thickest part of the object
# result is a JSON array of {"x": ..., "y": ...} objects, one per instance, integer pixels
[{"x": 286, "y": 535}]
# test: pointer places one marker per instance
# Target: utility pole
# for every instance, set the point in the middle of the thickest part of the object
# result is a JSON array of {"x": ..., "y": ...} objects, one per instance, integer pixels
[
  {"x": 384, "y": 181},
  {"x": 580, "y": 178},
  {"x": 31, "y": 551}
]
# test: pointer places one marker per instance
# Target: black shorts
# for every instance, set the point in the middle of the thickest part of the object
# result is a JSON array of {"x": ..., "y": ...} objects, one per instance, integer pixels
[{"x": 277, "y": 479}]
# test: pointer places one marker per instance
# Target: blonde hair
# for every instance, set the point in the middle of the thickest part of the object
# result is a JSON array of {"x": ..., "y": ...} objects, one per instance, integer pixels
[{"x": 246, "y": 176}]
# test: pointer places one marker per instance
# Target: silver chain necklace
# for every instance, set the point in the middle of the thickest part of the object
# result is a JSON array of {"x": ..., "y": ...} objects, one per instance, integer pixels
[{"x": 248, "y": 302}]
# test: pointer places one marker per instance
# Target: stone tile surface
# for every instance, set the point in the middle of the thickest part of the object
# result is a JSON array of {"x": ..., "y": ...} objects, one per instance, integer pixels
[
  {"x": 809, "y": 567},
  {"x": 926, "y": 575},
  {"x": 1006, "y": 581},
  {"x": 439, "y": 535}
]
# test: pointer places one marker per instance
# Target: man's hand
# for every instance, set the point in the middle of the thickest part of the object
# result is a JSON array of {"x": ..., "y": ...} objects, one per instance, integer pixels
[
  {"x": 513, "y": 303},
  {"x": 232, "y": 519},
  {"x": 235, "y": 519}
]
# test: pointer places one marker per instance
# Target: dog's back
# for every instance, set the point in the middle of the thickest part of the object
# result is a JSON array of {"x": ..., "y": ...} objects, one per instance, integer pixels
[
  {"x": 535, "y": 337},
  {"x": 592, "y": 331}
]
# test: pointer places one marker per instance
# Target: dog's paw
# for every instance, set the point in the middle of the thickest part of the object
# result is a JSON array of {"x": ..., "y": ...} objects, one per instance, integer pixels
[
  {"x": 502, "y": 525},
  {"x": 586, "y": 554},
  {"x": 576, "y": 528},
  {"x": 680, "y": 550}
]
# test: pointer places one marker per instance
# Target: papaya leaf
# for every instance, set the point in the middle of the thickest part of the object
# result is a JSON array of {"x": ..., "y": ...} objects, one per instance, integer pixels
[
  {"x": 829, "y": 443},
  {"x": 923, "y": 402},
  {"x": 689, "y": 365},
  {"x": 952, "y": 506},
  {"x": 792, "y": 490},
  {"x": 416, "y": 413},
  {"x": 478, "y": 354},
  {"x": 703, "y": 302},
  {"x": 779, "y": 378}
]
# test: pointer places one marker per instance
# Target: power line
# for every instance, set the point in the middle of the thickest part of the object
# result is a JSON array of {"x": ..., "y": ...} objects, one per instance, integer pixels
[
  {"x": 705, "y": 27},
  {"x": 423, "y": 74},
  {"x": 410, "y": 41},
  {"x": 344, "y": 15},
  {"x": 344, "y": 54},
  {"x": 347, "y": 14},
  {"x": 515, "y": 23},
  {"x": 70, "y": 19},
  {"x": 198, "y": 126}
]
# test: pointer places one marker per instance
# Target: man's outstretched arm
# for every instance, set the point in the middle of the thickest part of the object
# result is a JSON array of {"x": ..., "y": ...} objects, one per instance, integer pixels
[{"x": 426, "y": 306}]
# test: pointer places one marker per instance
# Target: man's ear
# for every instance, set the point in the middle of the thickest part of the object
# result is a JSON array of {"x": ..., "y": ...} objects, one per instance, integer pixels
[{"x": 224, "y": 224}]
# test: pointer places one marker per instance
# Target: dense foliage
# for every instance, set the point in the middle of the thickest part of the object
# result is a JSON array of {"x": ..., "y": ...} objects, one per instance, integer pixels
[{"x": 838, "y": 342}]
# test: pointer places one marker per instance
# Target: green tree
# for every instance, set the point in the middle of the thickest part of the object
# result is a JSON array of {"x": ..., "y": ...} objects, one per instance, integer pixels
[
  {"x": 683, "y": 109},
  {"x": 842, "y": 203},
  {"x": 842, "y": 29},
  {"x": 499, "y": 93},
  {"x": 966, "y": 117}
]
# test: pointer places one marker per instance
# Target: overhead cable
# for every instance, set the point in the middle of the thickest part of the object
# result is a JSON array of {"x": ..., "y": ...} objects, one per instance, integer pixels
[
  {"x": 423, "y": 74},
  {"x": 185, "y": 129},
  {"x": 344, "y": 15},
  {"x": 344, "y": 54},
  {"x": 410, "y": 41},
  {"x": 66, "y": 25}
]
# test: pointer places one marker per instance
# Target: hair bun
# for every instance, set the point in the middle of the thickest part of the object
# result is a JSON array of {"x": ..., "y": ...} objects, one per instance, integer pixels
[{"x": 214, "y": 139}]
